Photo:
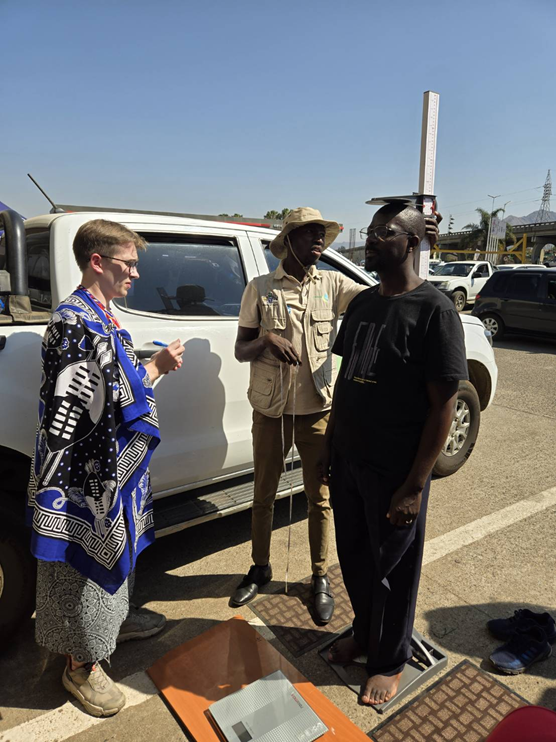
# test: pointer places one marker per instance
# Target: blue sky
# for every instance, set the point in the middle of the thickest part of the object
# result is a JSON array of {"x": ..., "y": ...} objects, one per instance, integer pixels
[{"x": 214, "y": 106}]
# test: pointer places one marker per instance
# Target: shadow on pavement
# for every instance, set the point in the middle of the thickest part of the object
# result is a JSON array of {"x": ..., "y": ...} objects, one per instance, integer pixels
[
  {"x": 194, "y": 544},
  {"x": 36, "y": 673},
  {"x": 462, "y": 629},
  {"x": 527, "y": 344},
  {"x": 548, "y": 699}
]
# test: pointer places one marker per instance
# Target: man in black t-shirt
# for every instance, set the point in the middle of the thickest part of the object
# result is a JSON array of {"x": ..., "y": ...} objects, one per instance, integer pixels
[{"x": 403, "y": 353}]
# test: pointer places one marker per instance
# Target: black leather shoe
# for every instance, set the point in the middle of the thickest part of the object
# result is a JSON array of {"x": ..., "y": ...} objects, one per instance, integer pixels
[
  {"x": 249, "y": 586},
  {"x": 323, "y": 602}
]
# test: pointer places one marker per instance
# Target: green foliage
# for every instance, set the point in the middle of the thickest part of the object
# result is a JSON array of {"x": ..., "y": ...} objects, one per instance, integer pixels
[
  {"x": 273, "y": 214},
  {"x": 478, "y": 232}
]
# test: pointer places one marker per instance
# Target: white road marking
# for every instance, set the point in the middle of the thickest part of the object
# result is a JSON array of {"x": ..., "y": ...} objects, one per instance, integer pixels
[
  {"x": 69, "y": 719},
  {"x": 440, "y": 546}
]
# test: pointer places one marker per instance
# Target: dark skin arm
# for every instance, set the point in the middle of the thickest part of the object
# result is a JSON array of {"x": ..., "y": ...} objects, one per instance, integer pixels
[
  {"x": 249, "y": 346},
  {"x": 406, "y": 501},
  {"x": 323, "y": 464}
]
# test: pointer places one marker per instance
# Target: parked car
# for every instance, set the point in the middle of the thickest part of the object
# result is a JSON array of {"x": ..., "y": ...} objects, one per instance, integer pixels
[
  {"x": 462, "y": 280},
  {"x": 522, "y": 301},
  {"x": 192, "y": 280}
]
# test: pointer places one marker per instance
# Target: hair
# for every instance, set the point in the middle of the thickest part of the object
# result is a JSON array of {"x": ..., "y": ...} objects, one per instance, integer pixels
[
  {"x": 101, "y": 235},
  {"x": 410, "y": 218}
]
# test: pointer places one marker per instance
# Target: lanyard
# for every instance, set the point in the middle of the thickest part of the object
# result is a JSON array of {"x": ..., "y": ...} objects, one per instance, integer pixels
[
  {"x": 106, "y": 311},
  {"x": 294, "y": 381}
]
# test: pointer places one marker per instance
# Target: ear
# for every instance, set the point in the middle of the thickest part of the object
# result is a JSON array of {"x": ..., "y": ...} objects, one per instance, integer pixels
[
  {"x": 413, "y": 242},
  {"x": 96, "y": 263}
]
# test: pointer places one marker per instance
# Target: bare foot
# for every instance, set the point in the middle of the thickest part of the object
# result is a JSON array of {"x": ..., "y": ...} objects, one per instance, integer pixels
[
  {"x": 380, "y": 688},
  {"x": 344, "y": 650}
]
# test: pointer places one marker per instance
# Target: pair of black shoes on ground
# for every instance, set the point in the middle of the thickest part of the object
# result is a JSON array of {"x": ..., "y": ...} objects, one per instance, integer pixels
[
  {"x": 528, "y": 637},
  {"x": 257, "y": 577}
]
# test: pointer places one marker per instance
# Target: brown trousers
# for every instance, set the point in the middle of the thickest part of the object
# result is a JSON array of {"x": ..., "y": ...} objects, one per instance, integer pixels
[{"x": 269, "y": 465}]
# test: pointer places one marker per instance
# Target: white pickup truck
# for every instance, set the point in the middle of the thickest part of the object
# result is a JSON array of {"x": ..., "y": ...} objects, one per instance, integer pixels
[
  {"x": 192, "y": 279},
  {"x": 462, "y": 280}
]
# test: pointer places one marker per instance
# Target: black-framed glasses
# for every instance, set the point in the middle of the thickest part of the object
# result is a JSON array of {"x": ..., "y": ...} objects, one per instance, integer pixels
[
  {"x": 131, "y": 264},
  {"x": 381, "y": 233}
]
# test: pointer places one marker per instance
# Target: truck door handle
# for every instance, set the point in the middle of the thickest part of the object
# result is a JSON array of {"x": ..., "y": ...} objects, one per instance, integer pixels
[{"x": 147, "y": 351}]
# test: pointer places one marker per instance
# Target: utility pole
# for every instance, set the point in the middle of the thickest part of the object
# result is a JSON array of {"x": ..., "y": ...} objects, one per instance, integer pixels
[{"x": 542, "y": 213}]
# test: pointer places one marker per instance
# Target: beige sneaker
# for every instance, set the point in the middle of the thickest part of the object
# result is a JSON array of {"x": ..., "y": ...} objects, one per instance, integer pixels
[
  {"x": 92, "y": 687},
  {"x": 140, "y": 624}
]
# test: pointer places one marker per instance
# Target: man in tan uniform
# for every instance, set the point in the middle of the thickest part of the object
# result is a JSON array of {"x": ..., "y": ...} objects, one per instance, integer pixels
[{"x": 287, "y": 326}]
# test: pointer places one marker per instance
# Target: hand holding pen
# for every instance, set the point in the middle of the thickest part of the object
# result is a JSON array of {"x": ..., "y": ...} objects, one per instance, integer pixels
[{"x": 166, "y": 360}]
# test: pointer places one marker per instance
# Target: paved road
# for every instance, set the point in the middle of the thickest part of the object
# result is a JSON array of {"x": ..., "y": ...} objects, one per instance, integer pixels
[{"x": 490, "y": 549}]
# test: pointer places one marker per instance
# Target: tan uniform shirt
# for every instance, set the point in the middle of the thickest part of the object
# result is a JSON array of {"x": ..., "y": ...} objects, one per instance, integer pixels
[{"x": 307, "y": 399}]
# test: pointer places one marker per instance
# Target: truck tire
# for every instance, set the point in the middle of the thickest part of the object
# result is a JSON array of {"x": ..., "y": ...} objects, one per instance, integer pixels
[
  {"x": 459, "y": 298},
  {"x": 18, "y": 575},
  {"x": 494, "y": 324},
  {"x": 463, "y": 433}
]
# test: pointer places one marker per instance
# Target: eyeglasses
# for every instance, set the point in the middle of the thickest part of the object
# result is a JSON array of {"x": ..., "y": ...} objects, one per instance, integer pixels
[
  {"x": 381, "y": 233},
  {"x": 131, "y": 264}
]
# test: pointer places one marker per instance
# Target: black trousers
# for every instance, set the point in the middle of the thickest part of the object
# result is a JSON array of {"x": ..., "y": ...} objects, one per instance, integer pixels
[{"x": 381, "y": 563}]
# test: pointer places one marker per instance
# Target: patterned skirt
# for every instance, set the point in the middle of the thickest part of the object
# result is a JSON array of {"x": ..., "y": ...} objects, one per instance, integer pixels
[{"x": 75, "y": 616}]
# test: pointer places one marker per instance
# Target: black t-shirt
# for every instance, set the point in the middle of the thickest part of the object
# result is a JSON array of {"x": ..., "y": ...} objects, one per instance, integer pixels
[{"x": 391, "y": 347}]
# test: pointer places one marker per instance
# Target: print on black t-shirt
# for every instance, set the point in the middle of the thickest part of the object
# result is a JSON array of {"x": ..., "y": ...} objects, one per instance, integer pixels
[
  {"x": 391, "y": 347},
  {"x": 364, "y": 353}
]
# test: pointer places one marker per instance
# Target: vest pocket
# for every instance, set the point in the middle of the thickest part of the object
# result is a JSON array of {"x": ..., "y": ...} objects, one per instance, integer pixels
[
  {"x": 322, "y": 322},
  {"x": 261, "y": 388}
]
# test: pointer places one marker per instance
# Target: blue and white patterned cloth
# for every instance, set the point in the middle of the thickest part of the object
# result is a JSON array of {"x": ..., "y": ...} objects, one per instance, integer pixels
[{"x": 89, "y": 496}]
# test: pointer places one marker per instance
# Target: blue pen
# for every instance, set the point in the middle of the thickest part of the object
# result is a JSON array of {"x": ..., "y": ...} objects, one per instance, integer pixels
[{"x": 159, "y": 342}]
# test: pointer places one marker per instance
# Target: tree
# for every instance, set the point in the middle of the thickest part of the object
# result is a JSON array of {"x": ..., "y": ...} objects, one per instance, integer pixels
[
  {"x": 232, "y": 216},
  {"x": 273, "y": 214},
  {"x": 478, "y": 233}
]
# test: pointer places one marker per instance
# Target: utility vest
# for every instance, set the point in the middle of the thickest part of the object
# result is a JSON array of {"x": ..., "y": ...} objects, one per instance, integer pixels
[{"x": 270, "y": 379}]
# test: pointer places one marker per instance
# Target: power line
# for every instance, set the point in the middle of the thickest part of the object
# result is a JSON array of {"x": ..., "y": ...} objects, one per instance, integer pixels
[
  {"x": 479, "y": 200},
  {"x": 529, "y": 201}
]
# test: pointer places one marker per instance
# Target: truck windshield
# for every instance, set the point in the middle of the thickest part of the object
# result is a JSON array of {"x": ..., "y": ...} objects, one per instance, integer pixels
[{"x": 454, "y": 269}]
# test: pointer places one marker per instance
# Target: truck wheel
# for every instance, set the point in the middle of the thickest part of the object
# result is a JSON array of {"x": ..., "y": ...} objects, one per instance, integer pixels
[
  {"x": 460, "y": 300},
  {"x": 494, "y": 325},
  {"x": 463, "y": 432},
  {"x": 18, "y": 574}
]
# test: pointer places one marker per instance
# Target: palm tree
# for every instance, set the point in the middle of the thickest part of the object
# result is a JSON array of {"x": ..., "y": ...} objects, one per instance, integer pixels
[
  {"x": 478, "y": 233},
  {"x": 273, "y": 214}
]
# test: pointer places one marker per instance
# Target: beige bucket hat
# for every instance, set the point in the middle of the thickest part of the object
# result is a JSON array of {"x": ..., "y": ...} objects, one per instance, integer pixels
[{"x": 298, "y": 218}]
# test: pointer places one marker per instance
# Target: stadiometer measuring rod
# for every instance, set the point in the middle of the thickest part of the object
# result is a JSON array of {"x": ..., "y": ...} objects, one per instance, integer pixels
[
  {"x": 429, "y": 131},
  {"x": 424, "y": 198}
]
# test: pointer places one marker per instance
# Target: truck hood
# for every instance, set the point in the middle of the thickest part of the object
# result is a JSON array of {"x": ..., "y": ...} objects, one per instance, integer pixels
[
  {"x": 442, "y": 279},
  {"x": 469, "y": 319}
]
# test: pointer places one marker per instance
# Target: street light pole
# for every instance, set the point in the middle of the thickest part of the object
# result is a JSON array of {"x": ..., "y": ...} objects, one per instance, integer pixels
[{"x": 488, "y": 257}]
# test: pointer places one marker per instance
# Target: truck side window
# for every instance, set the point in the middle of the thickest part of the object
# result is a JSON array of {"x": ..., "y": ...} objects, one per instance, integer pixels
[
  {"x": 189, "y": 276},
  {"x": 551, "y": 293},
  {"x": 38, "y": 268},
  {"x": 322, "y": 265}
]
